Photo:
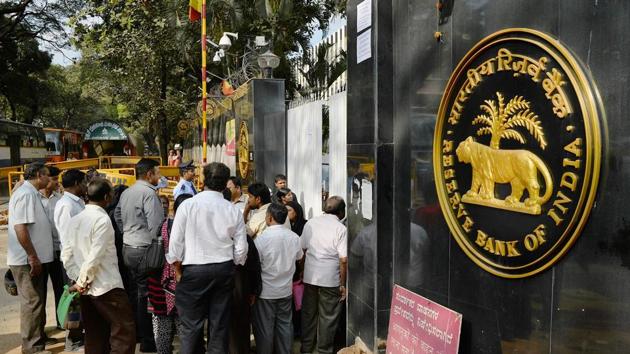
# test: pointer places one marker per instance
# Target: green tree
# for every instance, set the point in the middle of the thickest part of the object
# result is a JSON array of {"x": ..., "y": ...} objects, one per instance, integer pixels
[
  {"x": 23, "y": 68},
  {"x": 140, "y": 49},
  {"x": 24, "y": 25},
  {"x": 69, "y": 105},
  {"x": 43, "y": 20},
  {"x": 319, "y": 72},
  {"x": 288, "y": 26}
]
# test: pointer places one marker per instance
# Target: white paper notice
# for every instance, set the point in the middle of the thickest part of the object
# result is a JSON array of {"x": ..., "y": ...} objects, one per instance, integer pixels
[
  {"x": 364, "y": 46},
  {"x": 366, "y": 199},
  {"x": 364, "y": 15}
]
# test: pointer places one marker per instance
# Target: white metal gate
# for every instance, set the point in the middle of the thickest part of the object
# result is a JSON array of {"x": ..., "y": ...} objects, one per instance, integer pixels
[{"x": 304, "y": 152}]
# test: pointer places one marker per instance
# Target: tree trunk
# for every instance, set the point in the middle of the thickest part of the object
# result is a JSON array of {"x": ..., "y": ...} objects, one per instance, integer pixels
[
  {"x": 13, "y": 109},
  {"x": 30, "y": 118},
  {"x": 494, "y": 141},
  {"x": 34, "y": 107},
  {"x": 149, "y": 140}
]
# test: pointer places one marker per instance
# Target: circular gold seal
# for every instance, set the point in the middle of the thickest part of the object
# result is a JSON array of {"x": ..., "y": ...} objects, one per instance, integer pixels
[
  {"x": 243, "y": 150},
  {"x": 517, "y": 152}
]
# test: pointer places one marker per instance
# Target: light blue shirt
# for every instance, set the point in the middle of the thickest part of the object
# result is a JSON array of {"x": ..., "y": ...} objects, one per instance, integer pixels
[{"x": 184, "y": 187}]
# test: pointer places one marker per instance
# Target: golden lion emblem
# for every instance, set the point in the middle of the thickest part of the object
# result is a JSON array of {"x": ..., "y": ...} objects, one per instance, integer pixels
[
  {"x": 519, "y": 168},
  {"x": 491, "y": 165}
]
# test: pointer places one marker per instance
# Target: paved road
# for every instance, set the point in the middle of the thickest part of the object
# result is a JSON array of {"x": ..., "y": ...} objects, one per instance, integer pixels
[{"x": 9, "y": 310}]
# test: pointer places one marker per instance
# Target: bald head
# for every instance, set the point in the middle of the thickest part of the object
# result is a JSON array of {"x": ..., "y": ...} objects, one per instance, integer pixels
[
  {"x": 99, "y": 190},
  {"x": 335, "y": 206}
]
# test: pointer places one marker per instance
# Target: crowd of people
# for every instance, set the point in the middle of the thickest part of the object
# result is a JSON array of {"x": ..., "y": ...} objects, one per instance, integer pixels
[{"x": 225, "y": 264}]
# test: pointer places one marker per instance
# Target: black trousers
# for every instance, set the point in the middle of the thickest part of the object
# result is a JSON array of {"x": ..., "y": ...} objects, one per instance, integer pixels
[
  {"x": 58, "y": 279},
  {"x": 205, "y": 292},
  {"x": 240, "y": 316},
  {"x": 138, "y": 290}
]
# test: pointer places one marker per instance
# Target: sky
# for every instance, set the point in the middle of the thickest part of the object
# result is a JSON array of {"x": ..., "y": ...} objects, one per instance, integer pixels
[{"x": 63, "y": 58}]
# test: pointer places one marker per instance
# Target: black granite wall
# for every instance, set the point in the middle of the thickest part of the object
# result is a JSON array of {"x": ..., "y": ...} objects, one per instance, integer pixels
[
  {"x": 269, "y": 130},
  {"x": 578, "y": 306}
]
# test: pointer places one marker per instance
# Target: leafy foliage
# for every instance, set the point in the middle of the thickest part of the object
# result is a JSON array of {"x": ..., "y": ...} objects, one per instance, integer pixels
[
  {"x": 135, "y": 51},
  {"x": 501, "y": 121},
  {"x": 140, "y": 60},
  {"x": 319, "y": 72},
  {"x": 288, "y": 25},
  {"x": 24, "y": 24},
  {"x": 70, "y": 104}
]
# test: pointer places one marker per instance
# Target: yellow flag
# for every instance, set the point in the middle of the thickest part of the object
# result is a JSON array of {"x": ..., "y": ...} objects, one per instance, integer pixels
[{"x": 194, "y": 10}]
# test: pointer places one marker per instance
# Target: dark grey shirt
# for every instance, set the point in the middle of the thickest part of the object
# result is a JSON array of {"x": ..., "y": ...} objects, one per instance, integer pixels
[{"x": 139, "y": 214}]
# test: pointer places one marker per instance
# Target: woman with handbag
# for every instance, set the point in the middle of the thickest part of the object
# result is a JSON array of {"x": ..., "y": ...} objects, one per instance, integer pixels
[
  {"x": 296, "y": 217},
  {"x": 162, "y": 292}
]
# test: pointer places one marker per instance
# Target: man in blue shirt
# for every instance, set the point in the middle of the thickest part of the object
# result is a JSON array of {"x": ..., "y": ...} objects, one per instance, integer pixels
[{"x": 187, "y": 176}]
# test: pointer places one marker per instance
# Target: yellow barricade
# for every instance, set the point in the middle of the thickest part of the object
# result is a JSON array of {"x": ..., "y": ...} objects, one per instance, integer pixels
[
  {"x": 118, "y": 178},
  {"x": 124, "y": 171},
  {"x": 75, "y": 164},
  {"x": 4, "y": 171},
  {"x": 11, "y": 177},
  {"x": 169, "y": 171},
  {"x": 111, "y": 161}
]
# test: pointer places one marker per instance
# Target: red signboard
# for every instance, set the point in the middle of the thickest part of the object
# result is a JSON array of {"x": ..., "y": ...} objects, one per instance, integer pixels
[{"x": 419, "y": 325}]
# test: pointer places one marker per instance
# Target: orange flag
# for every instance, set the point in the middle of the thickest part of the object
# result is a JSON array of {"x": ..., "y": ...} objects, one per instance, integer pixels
[
  {"x": 226, "y": 88},
  {"x": 194, "y": 10}
]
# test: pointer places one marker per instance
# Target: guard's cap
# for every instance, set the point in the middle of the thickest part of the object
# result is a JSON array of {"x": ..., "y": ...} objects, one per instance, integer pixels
[{"x": 187, "y": 165}]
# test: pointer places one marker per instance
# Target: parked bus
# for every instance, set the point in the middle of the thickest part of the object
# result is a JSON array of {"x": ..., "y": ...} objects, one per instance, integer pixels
[
  {"x": 62, "y": 145},
  {"x": 21, "y": 143}
]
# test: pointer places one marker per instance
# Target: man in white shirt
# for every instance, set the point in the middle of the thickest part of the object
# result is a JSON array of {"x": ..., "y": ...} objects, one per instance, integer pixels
[
  {"x": 324, "y": 240},
  {"x": 279, "y": 248},
  {"x": 89, "y": 256},
  {"x": 74, "y": 189},
  {"x": 207, "y": 239},
  {"x": 50, "y": 196},
  {"x": 255, "y": 213},
  {"x": 30, "y": 246},
  {"x": 70, "y": 204},
  {"x": 186, "y": 178}
]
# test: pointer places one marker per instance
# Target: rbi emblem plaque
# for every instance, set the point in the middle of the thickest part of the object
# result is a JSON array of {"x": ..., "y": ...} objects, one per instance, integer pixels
[
  {"x": 243, "y": 150},
  {"x": 517, "y": 152}
]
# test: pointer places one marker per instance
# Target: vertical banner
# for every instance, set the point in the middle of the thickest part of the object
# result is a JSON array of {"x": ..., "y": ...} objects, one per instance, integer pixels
[{"x": 230, "y": 137}]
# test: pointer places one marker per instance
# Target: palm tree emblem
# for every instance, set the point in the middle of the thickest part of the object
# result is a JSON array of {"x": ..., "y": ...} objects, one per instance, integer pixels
[{"x": 501, "y": 121}]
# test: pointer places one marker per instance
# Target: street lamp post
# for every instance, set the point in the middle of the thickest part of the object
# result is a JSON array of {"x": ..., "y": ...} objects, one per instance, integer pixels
[{"x": 267, "y": 62}]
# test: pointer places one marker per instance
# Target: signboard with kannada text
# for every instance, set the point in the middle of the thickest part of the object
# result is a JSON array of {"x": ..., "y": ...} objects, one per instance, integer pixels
[{"x": 419, "y": 325}]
